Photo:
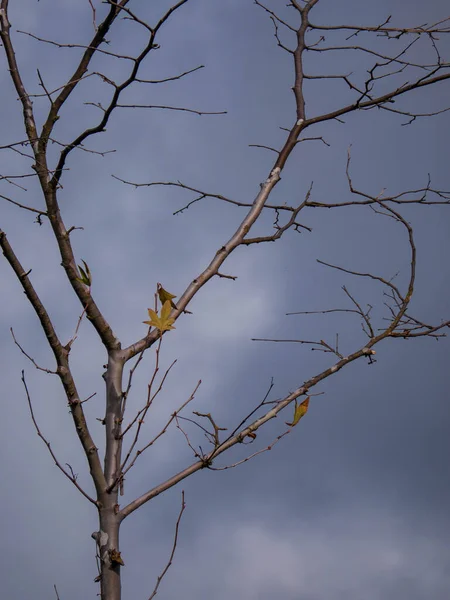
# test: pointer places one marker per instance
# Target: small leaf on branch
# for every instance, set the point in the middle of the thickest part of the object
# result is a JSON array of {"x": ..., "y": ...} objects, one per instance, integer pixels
[
  {"x": 165, "y": 296},
  {"x": 163, "y": 322},
  {"x": 299, "y": 412},
  {"x": 115, "y": 557},
  {"x": 86, "y": 277}
]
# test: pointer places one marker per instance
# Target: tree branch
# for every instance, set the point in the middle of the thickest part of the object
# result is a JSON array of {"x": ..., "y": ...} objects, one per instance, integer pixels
[
  {"x": 70, "y": 477},
  {"x": 61, "y": 355}
]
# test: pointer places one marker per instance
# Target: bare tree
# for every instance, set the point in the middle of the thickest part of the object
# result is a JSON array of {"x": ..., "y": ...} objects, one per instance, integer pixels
[{"x": 396, "y": 72}]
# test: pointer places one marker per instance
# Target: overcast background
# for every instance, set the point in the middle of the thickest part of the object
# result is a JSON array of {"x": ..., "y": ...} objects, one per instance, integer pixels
[{"x": 354, "y": 503}]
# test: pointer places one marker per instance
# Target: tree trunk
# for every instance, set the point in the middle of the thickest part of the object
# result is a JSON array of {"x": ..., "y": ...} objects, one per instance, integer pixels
[
  {"x": 108, "y": 536},
  {"x": 110, "y": 559}
]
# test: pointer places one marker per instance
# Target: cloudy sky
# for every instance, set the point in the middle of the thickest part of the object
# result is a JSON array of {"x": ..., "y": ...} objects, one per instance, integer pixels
[{"x": 354, "y": 502}]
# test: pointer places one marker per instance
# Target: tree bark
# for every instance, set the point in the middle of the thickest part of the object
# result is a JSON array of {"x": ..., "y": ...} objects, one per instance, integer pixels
[
  {"x": 108, "y": 535},
  {"x": 109, "y": 553}
]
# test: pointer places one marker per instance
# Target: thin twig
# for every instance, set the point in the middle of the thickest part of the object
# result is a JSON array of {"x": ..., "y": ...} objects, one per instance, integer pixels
[
  {"x": 30, "y": 358},
  {"x": 174, "y": 547},
  {"x": 72, "y": 477}
]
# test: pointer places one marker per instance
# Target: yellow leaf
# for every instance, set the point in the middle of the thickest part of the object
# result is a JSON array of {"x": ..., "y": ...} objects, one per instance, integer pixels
[
  {"x": 165, "y": 296},
  {"x": 163, "y": 322},
  {"x": 299, "y": 412}
]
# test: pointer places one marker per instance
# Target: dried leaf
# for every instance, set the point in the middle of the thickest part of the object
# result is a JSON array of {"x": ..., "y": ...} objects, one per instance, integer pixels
[
  {"x": 163, "y": 322},
  {"x": 115, "y": 557},
  {"x": 165, "y": 296},
  {"x": 299, "y": 412}
]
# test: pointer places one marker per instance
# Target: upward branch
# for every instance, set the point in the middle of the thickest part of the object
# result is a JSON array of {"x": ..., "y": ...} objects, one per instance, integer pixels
[
  {"x": 364, "y": 101},
  {"x": 61, "y": 354},
  {"x": 27, "y": 107},
  {"x": 118, "y": 88},
  {"x": 77, "y": 76},
  {"x": 39, "y": 146},
  {"x": 238, "y": 238}
]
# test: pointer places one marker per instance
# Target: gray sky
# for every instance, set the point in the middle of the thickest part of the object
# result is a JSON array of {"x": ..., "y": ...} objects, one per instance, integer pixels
[{"x": 354, "y": 502}]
